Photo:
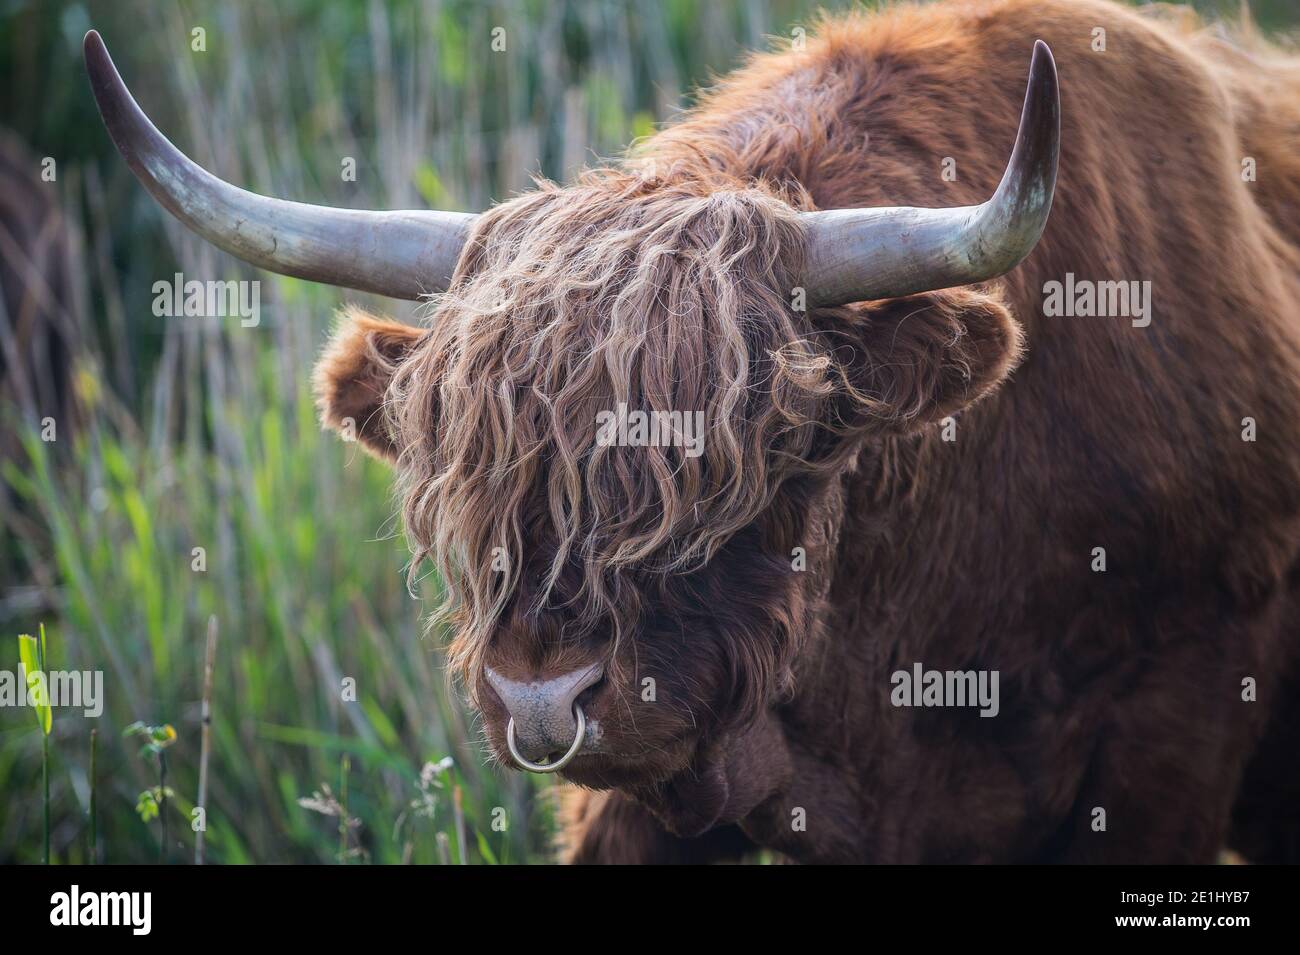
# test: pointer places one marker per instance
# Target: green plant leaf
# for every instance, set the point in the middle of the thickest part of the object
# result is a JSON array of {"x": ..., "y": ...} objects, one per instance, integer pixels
[
  {"x": 29, "y": 652},
  {"x": 486, "y": 850},
  {"x": 158, "y": 737}
]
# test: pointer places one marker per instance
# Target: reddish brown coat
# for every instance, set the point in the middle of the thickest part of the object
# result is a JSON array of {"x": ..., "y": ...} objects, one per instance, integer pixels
[{"x": 1120, "y": 690}]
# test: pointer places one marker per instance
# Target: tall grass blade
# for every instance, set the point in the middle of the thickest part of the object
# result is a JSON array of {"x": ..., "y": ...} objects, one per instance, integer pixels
[{"x": 205, "y": 740}]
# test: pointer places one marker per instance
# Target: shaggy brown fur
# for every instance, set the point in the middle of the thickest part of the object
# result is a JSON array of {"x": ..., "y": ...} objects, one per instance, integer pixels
[
  {"x": 352, "y": 377},
  {"x": 1120, "y": 690},
  {"x": 571, "y": 300}
]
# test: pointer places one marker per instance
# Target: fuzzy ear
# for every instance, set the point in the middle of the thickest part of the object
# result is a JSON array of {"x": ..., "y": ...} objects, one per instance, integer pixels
[
  {"x": 352, "y": 377},
  {"x": 915, "y": 360}
]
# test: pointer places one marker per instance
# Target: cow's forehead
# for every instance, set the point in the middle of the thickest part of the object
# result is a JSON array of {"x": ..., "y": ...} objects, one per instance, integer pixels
[{"x": 600, "y": 394}]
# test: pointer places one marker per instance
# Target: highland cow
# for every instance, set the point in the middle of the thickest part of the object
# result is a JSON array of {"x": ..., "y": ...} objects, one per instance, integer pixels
[{"x": 906, "y": 465}]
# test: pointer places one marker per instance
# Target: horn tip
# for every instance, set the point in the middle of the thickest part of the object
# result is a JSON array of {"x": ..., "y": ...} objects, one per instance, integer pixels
[
  {"x": 98, "y": 63},
  {"x": 93, "y": 44},
  {"x": 103, "y": 77},
  {"x": 1043, "y": 62}
]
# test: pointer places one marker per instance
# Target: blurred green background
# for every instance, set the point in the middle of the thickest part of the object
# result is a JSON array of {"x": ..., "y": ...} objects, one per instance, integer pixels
[{"x": 184, "y": 433}]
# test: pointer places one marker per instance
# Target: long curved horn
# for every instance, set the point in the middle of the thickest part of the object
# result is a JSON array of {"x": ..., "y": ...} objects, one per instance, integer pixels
[
  {"x": 856, "y": 255},
  {"x": 402, "y": 254}
]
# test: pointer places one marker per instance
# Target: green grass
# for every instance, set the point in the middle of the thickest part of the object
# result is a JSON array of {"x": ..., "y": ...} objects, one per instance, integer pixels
[{"x": 306, "y": 582}]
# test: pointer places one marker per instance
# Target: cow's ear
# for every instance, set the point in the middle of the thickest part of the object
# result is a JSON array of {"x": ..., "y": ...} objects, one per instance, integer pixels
[
  {"x": 910, "y": 362},
  {"x": 352, "y": 377}
]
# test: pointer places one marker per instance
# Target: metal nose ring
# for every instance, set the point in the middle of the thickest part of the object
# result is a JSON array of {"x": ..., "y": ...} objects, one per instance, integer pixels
[{"x": 560, "y": 763}]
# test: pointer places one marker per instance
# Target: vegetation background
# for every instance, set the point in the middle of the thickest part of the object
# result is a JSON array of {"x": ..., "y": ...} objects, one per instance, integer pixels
[{"x": 184, "y": 433}]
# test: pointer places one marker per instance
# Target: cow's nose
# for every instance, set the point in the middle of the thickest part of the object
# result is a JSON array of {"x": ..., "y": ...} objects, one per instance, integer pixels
[{"x": 543, "y": 710}]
